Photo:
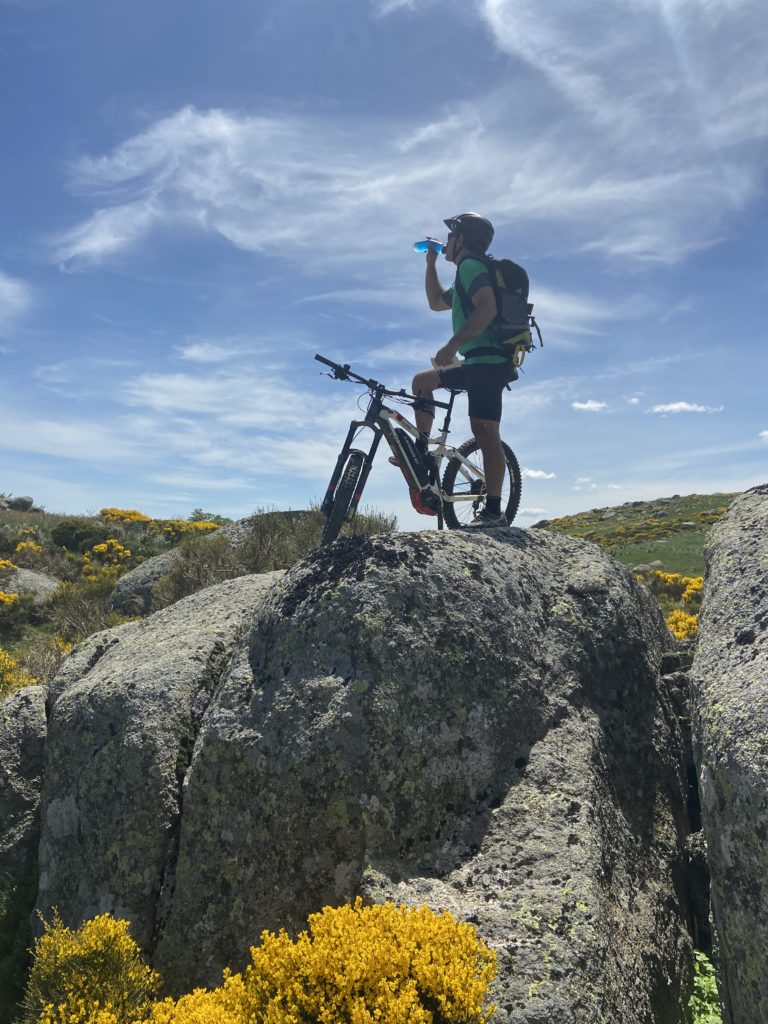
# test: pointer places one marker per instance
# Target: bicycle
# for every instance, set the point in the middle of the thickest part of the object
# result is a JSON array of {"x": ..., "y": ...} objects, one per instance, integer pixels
[{"x": 454, "y": 500}]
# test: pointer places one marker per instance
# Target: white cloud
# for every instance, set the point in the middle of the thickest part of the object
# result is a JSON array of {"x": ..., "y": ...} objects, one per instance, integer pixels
[
  {"x": 532, "y": 511},
  {"x": 207, "y": 352},
  {"x": 15, "y": 300},
  {"x": 673, "y": 408},
  {"x": 536, "y": 474},
  {"x": 106, "y": 233},
  {"x": 763, "y": 435},
  {"x": 583, "y": 479},
  {"x": 615, "y": 487},
  {"x": 590, "y": 406}
]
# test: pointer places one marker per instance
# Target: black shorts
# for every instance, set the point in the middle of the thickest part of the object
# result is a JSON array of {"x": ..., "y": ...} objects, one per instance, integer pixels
[{"x": 484, "y": 383}]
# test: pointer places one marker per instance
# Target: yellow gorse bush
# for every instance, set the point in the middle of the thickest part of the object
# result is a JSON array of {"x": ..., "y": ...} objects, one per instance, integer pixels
[
  {"x": 94, "y": 975},
  {"x": 12, "y": 675},
  {"x": 672, "y": 590},
  {"x": 362, "y": 965},
  {"x": 175, "y": 529},
  {"x": 6, "y": 566},
  {"x": 124, "y": 515},
  {"x": 105, "y": 560},
  {"x": 381, "y": 964},
  {"x": 683, "y": 625},
  {"x": 8, "y": 598},
  {"x": 28, "y": 547}
]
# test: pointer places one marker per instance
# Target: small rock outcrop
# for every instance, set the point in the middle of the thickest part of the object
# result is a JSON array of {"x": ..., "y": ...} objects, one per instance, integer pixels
[
  {"x": 20, "y": 581},
  {"x": 133, "y": 591},
  {"x": 730, "y": 727},
  {"x": 473, "y": 722}
]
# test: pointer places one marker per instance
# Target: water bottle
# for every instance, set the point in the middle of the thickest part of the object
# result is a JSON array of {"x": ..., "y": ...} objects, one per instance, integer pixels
[{"x": 427, "y": 244}]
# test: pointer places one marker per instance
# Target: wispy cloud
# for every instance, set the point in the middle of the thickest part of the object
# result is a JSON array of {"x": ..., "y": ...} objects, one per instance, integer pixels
[
  {"x": 589, "y": 406},
  {"x": 763, "y": 435},
  {"x": 15, "y": 300},
  {"x": 638, "y": 146},
  {"x": 674, "y": 408},
  {"x": 536, "y": 474}
]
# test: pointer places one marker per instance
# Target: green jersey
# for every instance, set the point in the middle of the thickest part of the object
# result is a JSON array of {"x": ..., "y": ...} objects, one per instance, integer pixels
[{"x": 474, "y": 275}]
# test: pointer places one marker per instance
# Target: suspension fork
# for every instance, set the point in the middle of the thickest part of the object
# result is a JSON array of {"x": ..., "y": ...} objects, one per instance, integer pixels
[{"x": 341, "y": 461}]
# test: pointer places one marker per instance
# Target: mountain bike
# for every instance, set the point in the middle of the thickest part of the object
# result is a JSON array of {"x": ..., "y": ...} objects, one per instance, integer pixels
[{"x": 454, "y": 500}]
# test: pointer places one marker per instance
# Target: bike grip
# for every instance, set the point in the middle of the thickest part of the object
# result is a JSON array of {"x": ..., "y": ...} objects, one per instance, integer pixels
[{"x": 328, "y": 362}]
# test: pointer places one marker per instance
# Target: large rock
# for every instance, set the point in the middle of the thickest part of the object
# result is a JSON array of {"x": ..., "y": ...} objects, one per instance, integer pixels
[
  {"x": 124, "y": 711},
  {"x": 473, "y": 722},
  {"x": 730, "y": 718}
]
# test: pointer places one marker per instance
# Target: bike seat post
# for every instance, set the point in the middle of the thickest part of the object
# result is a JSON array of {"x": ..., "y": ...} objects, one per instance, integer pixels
[{"x": 445, "y": 429}]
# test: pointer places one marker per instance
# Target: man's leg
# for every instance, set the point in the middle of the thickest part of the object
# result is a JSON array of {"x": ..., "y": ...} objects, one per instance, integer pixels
[
  {"x": 424, "y": 386},
  {"x": 494, "y": 461}
]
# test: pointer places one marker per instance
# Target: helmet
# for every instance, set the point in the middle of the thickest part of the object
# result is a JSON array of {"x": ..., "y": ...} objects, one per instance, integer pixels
[{"x": 477, "y": 230}]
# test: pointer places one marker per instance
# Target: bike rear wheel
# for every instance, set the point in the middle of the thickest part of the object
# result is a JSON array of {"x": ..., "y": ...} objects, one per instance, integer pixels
[
  {"x": 342, "y": 499},
  {"x": 461, "y": 479}
]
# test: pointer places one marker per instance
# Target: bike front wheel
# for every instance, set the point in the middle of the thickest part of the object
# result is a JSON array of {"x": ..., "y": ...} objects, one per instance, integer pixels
[
  {"x": 465, "y": 479},
  {"x": 342, "y": 499}
]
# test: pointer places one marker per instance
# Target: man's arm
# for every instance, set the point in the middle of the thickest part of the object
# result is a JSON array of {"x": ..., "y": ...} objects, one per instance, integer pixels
[
  {"x": 484, "y": 302},
  {"x": 432, "y": 284}
]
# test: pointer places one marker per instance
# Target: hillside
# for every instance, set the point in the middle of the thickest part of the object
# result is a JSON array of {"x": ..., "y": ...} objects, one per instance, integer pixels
[{"x": 667, "y": 530}]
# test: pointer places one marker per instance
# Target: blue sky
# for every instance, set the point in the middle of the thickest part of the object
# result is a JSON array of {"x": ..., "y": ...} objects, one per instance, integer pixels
[{"x": 198, "y": 197}]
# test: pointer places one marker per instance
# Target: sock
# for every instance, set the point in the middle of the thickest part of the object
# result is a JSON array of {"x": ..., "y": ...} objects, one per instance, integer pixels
[{"x": 493, "y": 505}]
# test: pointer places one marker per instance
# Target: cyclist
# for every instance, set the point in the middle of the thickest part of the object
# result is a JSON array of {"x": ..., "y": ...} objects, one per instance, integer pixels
[{"x": 483, "y": 376}]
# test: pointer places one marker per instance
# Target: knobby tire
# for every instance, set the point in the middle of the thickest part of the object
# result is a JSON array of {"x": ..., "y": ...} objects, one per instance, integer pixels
[
  {"x": 453, "y": 484},
  {"x": 342, "y": 499}
]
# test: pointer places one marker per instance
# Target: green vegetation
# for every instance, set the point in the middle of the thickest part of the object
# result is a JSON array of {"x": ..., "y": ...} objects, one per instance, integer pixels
[
  {"x": 704, "y": 1004},
  {"x": 669, "y": 530},
  {"x": 275, "y": 540},
  {"x": 88, "y": 554}
]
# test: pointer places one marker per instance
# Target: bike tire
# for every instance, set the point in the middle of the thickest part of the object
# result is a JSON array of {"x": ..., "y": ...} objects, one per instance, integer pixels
[
  {"x": 342, "y": 499},
  {"x": 512, "y": 486}
]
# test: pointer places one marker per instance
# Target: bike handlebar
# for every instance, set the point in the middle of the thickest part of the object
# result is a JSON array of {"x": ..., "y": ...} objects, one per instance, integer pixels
[{"x": 344, "y": 373}]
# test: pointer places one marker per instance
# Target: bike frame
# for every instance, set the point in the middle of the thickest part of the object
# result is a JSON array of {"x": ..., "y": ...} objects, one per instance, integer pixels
[{"x": 383, "y": 422}]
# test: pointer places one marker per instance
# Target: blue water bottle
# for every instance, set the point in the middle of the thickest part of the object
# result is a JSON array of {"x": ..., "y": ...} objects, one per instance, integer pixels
[{"x": 427, "y": 244}]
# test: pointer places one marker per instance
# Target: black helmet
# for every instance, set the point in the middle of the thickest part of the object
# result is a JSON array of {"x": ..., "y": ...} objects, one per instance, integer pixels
[{"x": 477, "y": 230}]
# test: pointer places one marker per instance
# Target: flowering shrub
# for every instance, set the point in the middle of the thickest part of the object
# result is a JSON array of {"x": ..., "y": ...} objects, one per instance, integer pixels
[
  {"x": 6, "y": 566},
  {"x": 94, "y": 975},
  {"x": 672, "y": 591},
  {"x": 124, "y": 515},
  {"x": 8, "y": 598},
  {"x": 105, "y": 560},
  {"x": 28, "y": 547},
  {"x": 12, "y": 675},
  {"x": 362, "y": 965},
  {"x": 382, "y": 964},
  {"x": 175, "y": 529},
  {"x": 683, "y": 625}
]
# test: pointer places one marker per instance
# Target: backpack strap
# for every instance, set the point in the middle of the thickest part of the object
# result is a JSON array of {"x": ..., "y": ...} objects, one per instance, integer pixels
[{"x": 467, "y": 305}]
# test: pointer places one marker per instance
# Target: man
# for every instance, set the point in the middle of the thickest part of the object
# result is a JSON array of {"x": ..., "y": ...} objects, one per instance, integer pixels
[{"x": 483, "y": 376}]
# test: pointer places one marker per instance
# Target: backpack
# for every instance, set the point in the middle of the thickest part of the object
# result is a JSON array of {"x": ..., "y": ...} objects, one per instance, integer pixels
[{"x": 512, "y": 325}]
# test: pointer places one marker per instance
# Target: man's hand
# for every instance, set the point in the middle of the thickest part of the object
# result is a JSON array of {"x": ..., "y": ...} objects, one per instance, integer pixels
[
  {"x": 431, "y": 257},
  {"x": 447, "y": 354}
]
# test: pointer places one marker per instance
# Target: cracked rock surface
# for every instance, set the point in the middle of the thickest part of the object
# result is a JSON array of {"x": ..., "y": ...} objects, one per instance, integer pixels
[
  {"x": 124, "y": 711},
  {"x": 473, "y": 722},
  {"x": 730, "y": 729}
]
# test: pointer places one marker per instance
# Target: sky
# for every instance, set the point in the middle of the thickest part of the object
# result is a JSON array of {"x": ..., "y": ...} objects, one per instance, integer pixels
[{"x": 198, "y": 197}]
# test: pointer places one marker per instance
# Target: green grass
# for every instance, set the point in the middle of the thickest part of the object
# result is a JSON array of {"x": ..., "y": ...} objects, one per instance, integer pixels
[{"x": 641, "y": 532}]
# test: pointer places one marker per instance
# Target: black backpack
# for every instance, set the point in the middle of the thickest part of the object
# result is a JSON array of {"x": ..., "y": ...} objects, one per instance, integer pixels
[{"x": 512, "y": 325}]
